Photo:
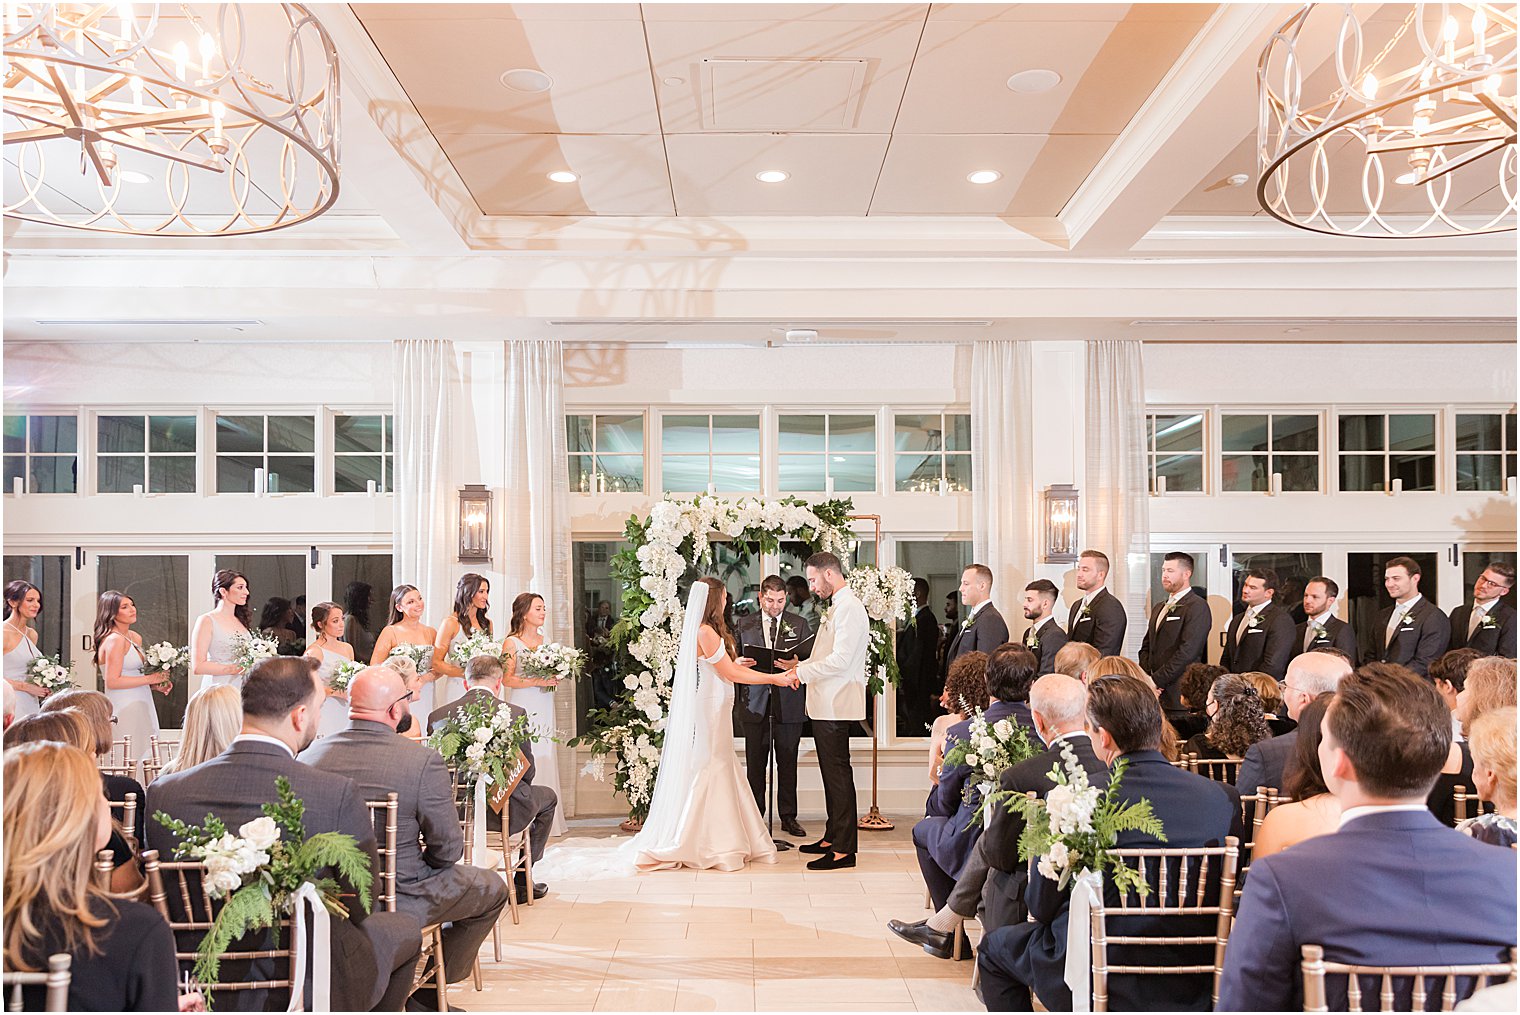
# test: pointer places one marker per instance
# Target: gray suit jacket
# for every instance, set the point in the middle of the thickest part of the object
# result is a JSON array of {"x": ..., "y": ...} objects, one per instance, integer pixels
[
  {"x": 521, "y": 807},
  {"x": 1266, "y": 763}
]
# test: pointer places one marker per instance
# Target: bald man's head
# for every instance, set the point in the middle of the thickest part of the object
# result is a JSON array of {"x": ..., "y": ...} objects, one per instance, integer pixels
[
  {"x": 379, "y": 694},
  {"x": 1061, "y": 701},
  {"x": 1310, "y": 675}
]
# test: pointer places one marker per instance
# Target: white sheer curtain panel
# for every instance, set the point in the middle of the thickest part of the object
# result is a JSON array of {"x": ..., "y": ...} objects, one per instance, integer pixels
[
  {"x": 425, "y": 536},
  {"x": 1003, "y": 498},
  {"x": 1116, "y": 511}
]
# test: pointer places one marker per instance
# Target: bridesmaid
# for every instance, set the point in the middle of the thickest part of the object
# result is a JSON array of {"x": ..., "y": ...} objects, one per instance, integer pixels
[
  {"x": 406, "y": 628},
  {"x": 23, "y": 601},
  {"x": 119, "y": 658},
  {"x": 535, "y": 695},
  {"x": 212, "y": 636},
  {"x": 472, "y": 598},
  {"x": 328, "y": 650}
]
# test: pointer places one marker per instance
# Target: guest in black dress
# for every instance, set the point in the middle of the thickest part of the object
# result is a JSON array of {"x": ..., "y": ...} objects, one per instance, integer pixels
[{"x": 55, "y": 819}]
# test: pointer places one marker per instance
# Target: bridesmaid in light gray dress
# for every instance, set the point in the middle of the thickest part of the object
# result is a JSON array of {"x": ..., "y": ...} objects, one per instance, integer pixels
[
  {"x": 119, "y": 657},
  {"x": 23, "y": 601},
  {"x": 211, "y": 639},
  {"x": 472, "y": 598},
  {"x": 327, "y": 620}
]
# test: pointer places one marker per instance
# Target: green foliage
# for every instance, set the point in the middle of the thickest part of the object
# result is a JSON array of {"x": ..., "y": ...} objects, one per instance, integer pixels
[{"x": 247, "y": 909}]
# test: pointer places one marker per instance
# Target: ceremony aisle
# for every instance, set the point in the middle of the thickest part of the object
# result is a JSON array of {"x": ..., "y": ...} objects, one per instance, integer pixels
[{"x": 769, "y": 938}]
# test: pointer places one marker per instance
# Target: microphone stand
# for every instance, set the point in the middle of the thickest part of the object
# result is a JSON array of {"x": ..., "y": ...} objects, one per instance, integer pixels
[{"x": 771, "y": 772}]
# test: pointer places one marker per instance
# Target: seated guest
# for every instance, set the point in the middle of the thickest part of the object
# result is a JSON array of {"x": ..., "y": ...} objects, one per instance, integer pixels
[
  {"x": 1313, "y": 810},
  {"x": 529, "y": 805},
  {"x": 1449, "y": 674},
  {"x": 373, "y": 955},
  {"x": 55, "y": 820},
  {"x": 1493, "y": 755},
  {"x": 1194, "y": 689},
  {"x": 965, "y": 693},
  {"x": 1075, "y": 657},
  {"x": 1309, "y": 676},
  {"x": 1125, "y": 720},
  {"x": 1120, "y": 666},
  {"x": 1490, "y": 684},
  {"x": 946, "y": 835},
  {"x": 1391, "y": 887},
  {"x": 1236, "y": 720},
  {"x": 1271, "y": 702},
  {"x": 431, "y": 883},
  {"x": 414, "y": 683},
  {"x": 212, "y": 718},
  {"x": 97, "y": 709}
]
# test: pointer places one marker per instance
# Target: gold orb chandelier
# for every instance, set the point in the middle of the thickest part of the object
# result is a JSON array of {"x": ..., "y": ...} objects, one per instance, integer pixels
[
  {"x": 233, "y": 117},
  {"x": 1408, "y": 131}
]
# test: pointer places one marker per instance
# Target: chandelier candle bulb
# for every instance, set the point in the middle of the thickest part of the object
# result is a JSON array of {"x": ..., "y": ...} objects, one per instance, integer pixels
[{"x": 181, "y": 59}]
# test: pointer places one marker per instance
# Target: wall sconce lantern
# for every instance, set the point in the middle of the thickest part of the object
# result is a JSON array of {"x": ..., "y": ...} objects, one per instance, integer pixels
[
  {"x": 474, "y": 524},
  {"x": 1061, "y": 524}
]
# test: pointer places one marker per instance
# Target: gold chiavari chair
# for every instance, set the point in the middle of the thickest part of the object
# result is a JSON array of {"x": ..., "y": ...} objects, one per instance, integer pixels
[
  {"x": 1254, "y": 808},
  {"x": 160, "y": 753},
  {"x": 124, "y": 813},
  {"x": 1461, "y": 796},
  {"x": 56, "y": 979},
  {"x": 118, "y": 760},
  {"x": 1179, "y": 881},
  {"x": 1456, "y": 982},
  {"x": 1218, "y": 769}
]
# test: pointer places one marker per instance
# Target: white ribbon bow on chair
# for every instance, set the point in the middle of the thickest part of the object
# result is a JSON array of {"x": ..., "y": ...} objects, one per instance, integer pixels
[
  {"x": 319, "y": 949},
  {"x": 1086, "y": 892},
  {"x": 479, "y": 856}
]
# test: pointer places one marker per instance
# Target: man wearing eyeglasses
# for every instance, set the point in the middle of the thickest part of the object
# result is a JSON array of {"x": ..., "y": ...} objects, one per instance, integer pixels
[
  {"x": 1487, "y": 625},
  {"x": 1309, "y": 675}
]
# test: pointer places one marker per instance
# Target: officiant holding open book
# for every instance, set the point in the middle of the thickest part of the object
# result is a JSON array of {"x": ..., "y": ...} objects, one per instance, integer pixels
[{"x": 773, "y": 633}]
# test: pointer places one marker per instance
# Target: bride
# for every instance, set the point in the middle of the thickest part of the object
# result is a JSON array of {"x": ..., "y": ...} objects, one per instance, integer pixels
[{"x": 703, "y": 813}]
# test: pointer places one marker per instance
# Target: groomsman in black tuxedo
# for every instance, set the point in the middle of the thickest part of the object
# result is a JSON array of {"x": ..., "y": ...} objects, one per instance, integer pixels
[
  {"x": 779, "y": 630},
  {"x": 1097, "y": 618},
  {"x": 1044, "y": 637},
  {"x": 1323, "y": 628},
  {"x": 1261, "y": 638},
  {"x": 1413, "y": 632},
  {"x": 984, "y": 628},
  {"x": 918, "y": 660},
  {"x": 1177, "y": 634},
  {"x": 1487, "y": 626}
]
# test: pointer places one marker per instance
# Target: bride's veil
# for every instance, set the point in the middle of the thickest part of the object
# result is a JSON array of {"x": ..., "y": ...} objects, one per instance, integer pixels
[{"x": 685, "y": 734}]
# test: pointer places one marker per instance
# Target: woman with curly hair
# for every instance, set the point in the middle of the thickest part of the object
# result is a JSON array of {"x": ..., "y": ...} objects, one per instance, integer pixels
[
  {"x": 1236, "y": 720},
  {"x": 1194, "y": 686},
  {"x": 965, "y": 693}
]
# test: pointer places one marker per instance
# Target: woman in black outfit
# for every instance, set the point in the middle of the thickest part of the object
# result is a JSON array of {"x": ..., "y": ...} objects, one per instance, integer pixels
[
  {"x": 55, "y": 819},
  {"x": 1236, "y": 720}
]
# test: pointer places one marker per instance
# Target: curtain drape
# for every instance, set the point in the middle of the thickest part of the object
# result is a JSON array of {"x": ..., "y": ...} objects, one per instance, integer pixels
[
  {"x": 1117, "y": 509},
  {"x": 425, "y": 539},
  {"x": 1003, "y": 497}
]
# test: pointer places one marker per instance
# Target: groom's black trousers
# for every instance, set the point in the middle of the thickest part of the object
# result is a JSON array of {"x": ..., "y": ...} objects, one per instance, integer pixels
[{"x": 831, "y": 738}]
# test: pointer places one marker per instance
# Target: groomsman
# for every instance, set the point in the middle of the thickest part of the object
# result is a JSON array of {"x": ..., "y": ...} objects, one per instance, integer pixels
[
  {"x": 780, "y": 630},
  {"x": 1412, "y": 632},
  {"x": 1097, "y": 618},
  {"x": 1323, "y": 628},
  {"x": 1044, "y": 637},
  {"x": 1261, "y": 638},
  {"x": 1488, "y": 625},
  {"x": 984, "y": 628},
  {"x": 1178, "y": 632}
]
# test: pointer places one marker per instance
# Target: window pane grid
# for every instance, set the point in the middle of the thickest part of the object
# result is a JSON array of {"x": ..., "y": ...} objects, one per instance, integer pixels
[
  {"x": 606, "y": 452},
  {"x": 816, "y": 448},
  {"x": 43, "y": 452},
  {"x": 1255, "y": 446},
  {"x": 363, "y": 452},
  {"x": 1174, "y": 448},
  {"x": 1485, "y": 446},
  {"x": 284, "y": 446},
  {"x": 156, "y": 452},
  {"x": 717, "y": 450},
  {"x": 1377, "y": 449},
  {"x": 931, "y": 452}
]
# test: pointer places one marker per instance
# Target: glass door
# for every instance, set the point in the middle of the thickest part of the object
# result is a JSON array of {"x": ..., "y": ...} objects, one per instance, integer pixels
[
  {"x": 53, "y": 574},
  {"x": 360, "y": 583}
]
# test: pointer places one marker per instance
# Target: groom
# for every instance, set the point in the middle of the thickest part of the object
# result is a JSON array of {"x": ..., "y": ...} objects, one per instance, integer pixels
[{"x": 836, "y": 701}]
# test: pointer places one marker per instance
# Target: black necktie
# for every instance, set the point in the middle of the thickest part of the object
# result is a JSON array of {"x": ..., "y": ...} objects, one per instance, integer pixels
[{"x": 774, "y": 622}]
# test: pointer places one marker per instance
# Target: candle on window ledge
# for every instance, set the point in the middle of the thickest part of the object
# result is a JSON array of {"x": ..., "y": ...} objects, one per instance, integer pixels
[
  {"x": 137, "y": 489},
  {"x": 369, "y": 487},
  {"x": 712, "y": 489},
  {"x": 18, "y": 485},
  {"x": 258, "y": 482},
  {"x": 1398, "y": 486},
  {"x": 1276, "y": 484}
]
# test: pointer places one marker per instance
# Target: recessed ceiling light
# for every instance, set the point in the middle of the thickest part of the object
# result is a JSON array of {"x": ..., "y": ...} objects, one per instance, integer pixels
[
  {"x": 133, "y": 176},
  {"x": 772, "y": 176},
  {"x": 527, "y": 79},
  {"x": 984, "y": 176},
  {"x": 674, "y": 81},
  {"x": 563, "y": 176},
  {"x": 1031, "y": 82}
]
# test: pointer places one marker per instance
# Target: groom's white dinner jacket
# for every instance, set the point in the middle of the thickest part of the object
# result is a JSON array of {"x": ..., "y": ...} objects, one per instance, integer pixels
[{"x": 835, "y": 673}]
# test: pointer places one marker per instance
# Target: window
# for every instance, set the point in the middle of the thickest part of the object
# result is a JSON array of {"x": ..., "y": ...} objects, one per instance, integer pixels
[
  {"x": 1485, "y": 450},
  {"x": 811, "y": 450},
  {"x": 284, "y": 446},
  {"x": 933, "y": 452},
  {"x": 1378, "y": 448},
  {"x": 43, "y": 451},
  {"x": 364, "y": 452},
  {"x": 723, "y": 451},
  {"x": 606, "y": 453},
  {"x": 1256, "y": 445},
  {"x": 1174, "y": 447},
  {"x": 156, "y": 453}
]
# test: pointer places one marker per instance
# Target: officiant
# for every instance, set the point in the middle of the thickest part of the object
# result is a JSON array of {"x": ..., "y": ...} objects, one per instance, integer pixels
[{"x": 773, "y": 633}]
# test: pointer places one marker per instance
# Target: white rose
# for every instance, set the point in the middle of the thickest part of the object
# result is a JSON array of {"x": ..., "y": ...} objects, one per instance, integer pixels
[
  {"x": 221, "y": 882},
  {"x": 990, "y": 769},
  {"x": 260, "y": 833},
  {"x": 1059, "y": 855},
  {"x": 483, "y": 734},
  {"x": 1004, "y": 728},
  {"x": 973, "y": 760}
]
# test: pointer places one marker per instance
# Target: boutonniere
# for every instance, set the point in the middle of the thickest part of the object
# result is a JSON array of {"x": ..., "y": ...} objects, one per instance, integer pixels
[
  {"x": 1488, "y": 623},
  {"x": 788, "y": 630},
  {"x": 1408, "y": 620},
  {"x": 1086, "y": 613},
  {"x": 1255, "y": 620},
  {"x": 1032, "y": 640},
  {"x": 966, "y": 624},
  {"x": 825, "y": 615},
  {"x": 1319, "y": 632},
  {"x": 1168, "y": 609}
]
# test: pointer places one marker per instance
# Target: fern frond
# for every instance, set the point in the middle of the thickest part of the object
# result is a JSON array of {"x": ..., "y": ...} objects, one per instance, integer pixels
[
  {"x": 247, "y": 909},
  {"x": 342, "y": 853}
]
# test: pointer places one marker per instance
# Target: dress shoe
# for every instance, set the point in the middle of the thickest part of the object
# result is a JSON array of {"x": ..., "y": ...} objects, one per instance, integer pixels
[
  {"x": 539, "y": 891},
  {"x": 828, "y": 862},
  {"x": 813, "y": 847},
  {"x": 790, "y": 827},
  {"x": 937, "y": 943}
]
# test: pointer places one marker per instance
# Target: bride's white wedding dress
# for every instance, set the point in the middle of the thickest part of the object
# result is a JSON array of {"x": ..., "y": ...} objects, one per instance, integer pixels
[{"x": 703, "y": 813}]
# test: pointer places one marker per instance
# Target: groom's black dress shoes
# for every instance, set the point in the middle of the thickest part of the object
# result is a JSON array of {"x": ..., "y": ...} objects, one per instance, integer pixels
[
  {"x": 813, "y": 847},
  {"x": 829, "y": 862},
  {"x": 790, "y": 827},
  {"x": 937, "y": 943}
]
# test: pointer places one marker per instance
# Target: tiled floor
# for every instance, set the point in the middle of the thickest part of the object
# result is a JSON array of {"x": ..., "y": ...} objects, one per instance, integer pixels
[{"x": 769, "y": 938}]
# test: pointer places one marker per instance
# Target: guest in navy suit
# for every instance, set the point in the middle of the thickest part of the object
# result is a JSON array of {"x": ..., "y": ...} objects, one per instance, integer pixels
[
  {"x": 945, "y": 837},
  {"x": 1309, "y": 676},
  {"x": 1393, "y": 887},
  {"x": 1125, "y": 720}
]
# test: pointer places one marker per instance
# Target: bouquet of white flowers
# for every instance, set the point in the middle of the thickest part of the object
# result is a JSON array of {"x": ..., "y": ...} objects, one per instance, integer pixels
[
  {"x": 420, "y": 655},
  {"x": 251, "y": 648},
  {"x": 553, "y": 660},
  {"x": 887, "y": 596},
  {"x": 989, "y": 750},
  {"x": 165, "y": 656},
  {"x": 481, "y": 740},
  {"x": 342, "y": 675},
  {"x": 50, "y": 674},
  {"x": 478, "y": 644}
]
